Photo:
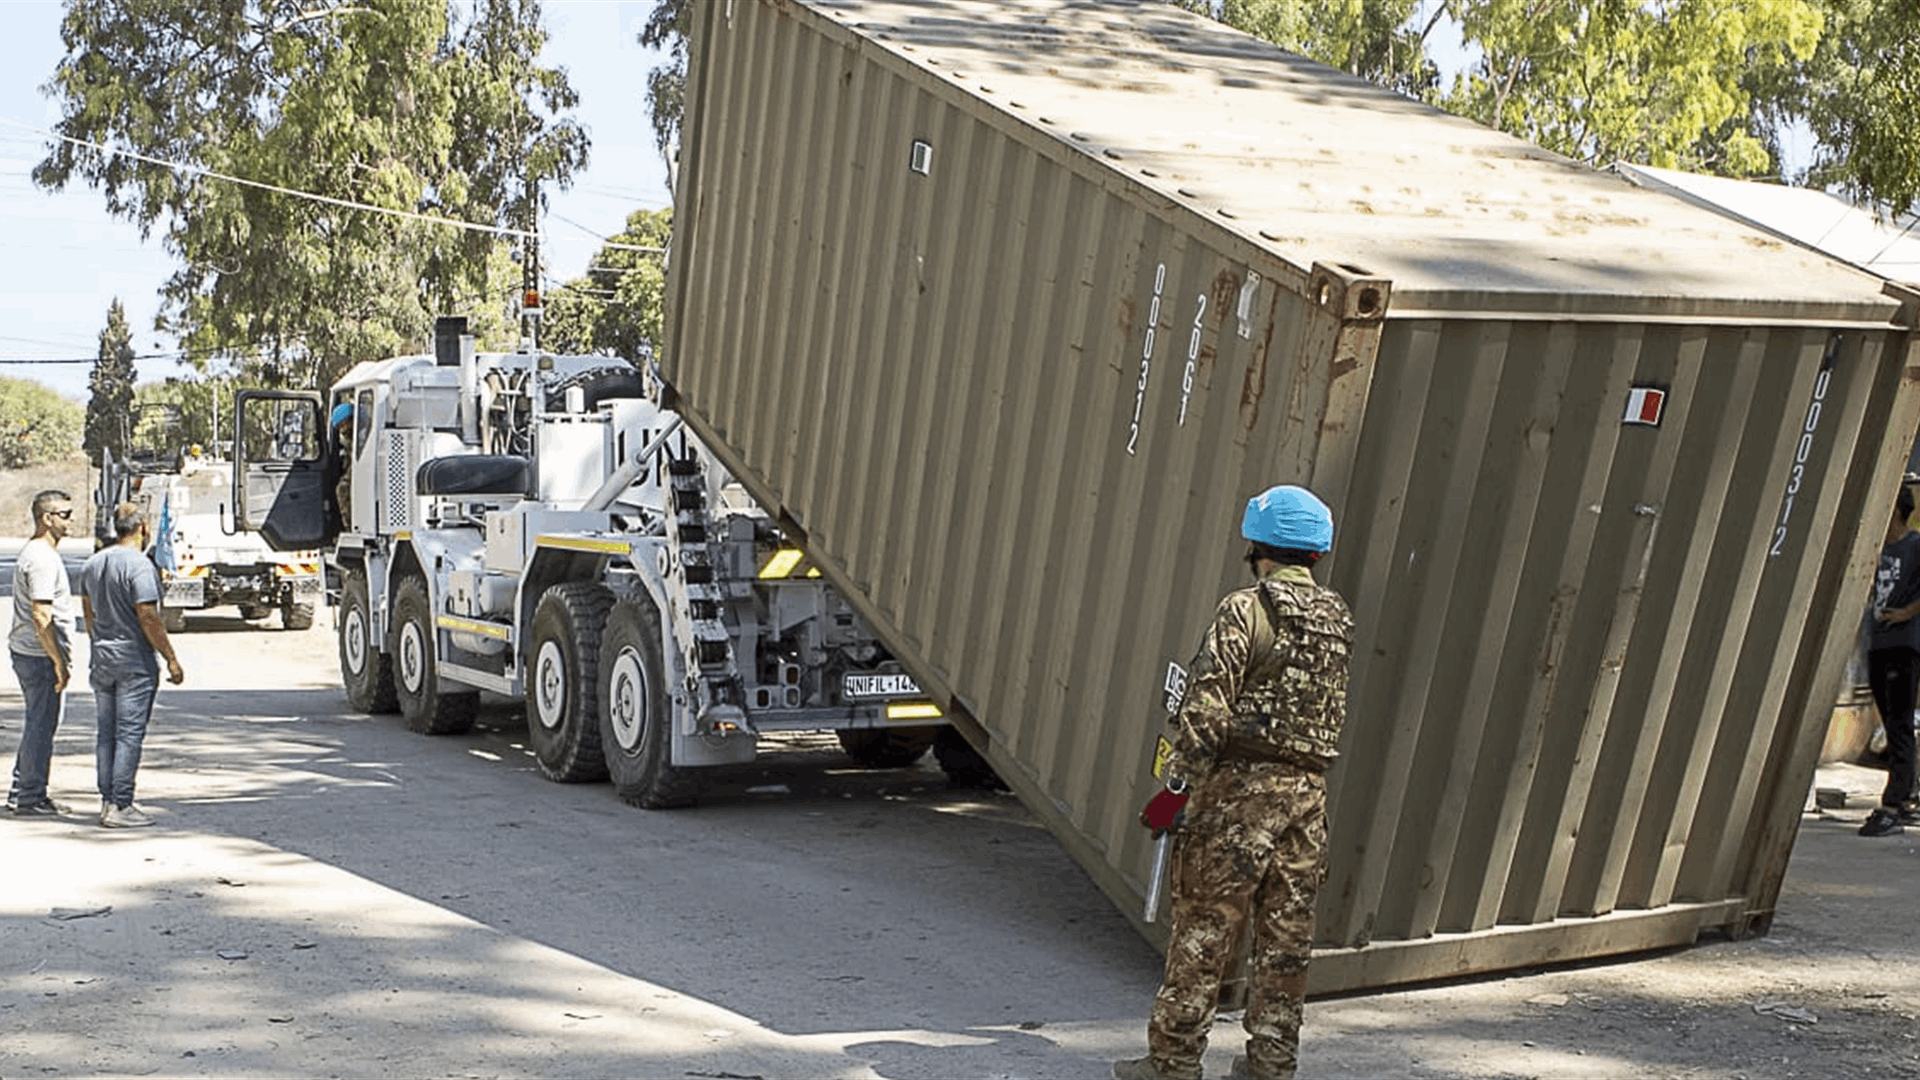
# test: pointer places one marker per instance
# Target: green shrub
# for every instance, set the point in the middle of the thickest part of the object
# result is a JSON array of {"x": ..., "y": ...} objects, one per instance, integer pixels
[{"x": 37, "y": 426}]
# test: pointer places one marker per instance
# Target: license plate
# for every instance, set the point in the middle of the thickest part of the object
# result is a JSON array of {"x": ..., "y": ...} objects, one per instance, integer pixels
[{"x": 879, "y": 686}]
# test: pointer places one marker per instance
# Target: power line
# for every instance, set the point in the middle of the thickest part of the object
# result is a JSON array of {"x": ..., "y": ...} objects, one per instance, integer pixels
[{"x": 473, "y": 226}]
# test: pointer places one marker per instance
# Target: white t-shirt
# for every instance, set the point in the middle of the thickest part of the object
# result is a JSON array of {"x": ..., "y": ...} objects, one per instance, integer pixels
[{"x": 39, "y": 574}]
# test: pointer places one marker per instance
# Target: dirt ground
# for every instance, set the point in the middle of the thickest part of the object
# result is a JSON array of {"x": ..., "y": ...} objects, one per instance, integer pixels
[{"x": 329, "y": 895}]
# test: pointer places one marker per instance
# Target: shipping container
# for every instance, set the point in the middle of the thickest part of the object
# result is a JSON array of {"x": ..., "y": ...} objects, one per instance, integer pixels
[{"x": 1009, "y": 307}]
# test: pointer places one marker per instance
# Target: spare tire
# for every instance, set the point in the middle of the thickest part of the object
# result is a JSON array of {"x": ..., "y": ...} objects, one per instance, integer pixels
[
  {"x": 596, "y": 385},
  {"x": 475, "y": 474}
]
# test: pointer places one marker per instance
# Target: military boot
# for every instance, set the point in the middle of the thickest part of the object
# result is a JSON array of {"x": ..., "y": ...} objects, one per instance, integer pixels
[
  {"x": 1243, "y": 1070},
  {"x": 1145, "y": 1068}
]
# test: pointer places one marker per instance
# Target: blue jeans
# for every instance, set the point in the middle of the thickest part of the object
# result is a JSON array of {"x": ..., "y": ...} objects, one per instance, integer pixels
[
  {"x": 124, "y": 702},
  {"x": 35, "y": 757}
]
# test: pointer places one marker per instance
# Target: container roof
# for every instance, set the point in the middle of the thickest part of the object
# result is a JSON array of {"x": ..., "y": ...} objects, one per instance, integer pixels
[
  {"x": 1319, "y": 166},
  {"x": 1886, "y": 244}
]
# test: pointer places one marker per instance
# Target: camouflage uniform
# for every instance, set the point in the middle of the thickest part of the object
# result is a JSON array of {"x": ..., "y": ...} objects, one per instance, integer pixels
[{"x": 1260, "y": 724}]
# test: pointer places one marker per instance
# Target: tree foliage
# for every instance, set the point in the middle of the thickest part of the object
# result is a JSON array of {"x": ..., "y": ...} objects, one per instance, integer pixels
[
  {"x": 205, "y": 403},
  {"x": 110, "y": 387},
  {"x": 1858, "y": 94},
  {"x": 1648, "y": 81},
  {"x": 37, "y": 426},
  {"x": 1378, "y": 40},
  {"x": 666, "y": 28},
  {"x": 417, "y": 106},
  {"x": 619, "y": 307}
]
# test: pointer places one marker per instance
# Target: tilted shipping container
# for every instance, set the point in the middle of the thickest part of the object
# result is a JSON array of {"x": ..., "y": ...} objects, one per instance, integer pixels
[{"x": 1009, "y": 307}]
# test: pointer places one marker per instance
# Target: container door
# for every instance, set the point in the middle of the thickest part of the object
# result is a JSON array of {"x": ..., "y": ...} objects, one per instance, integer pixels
[{"x": 280, "y": 469}]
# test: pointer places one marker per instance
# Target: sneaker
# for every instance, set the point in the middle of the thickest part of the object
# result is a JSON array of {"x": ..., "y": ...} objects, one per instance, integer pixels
[
  {"x": 1883, "y": 822},
  {"x": 125, "y": 817},
  {"x": 105, "y": 805},
  {"x": 45, "y": 808}
]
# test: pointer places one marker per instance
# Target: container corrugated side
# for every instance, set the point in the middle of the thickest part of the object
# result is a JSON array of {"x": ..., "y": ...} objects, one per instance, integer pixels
[{"x": 1015, "y": 402}]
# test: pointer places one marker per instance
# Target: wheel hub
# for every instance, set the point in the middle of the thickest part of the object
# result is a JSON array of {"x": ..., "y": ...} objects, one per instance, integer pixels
[
  {"x": 354, "y": 638},
  {"x": 628, "y": 690},
  {"x": 550, "y": 685},
  {"x": 413, "y": 657}
]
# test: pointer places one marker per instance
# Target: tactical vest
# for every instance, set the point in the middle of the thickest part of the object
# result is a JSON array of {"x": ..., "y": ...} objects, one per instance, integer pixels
[{"x": 1293, "y": 700}]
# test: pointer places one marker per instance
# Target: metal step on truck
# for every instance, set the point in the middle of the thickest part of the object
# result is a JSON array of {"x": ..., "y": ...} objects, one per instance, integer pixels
[{"x": 544, "y": 528}]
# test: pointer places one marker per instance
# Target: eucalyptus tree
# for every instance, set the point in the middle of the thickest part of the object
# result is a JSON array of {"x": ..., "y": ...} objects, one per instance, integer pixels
[
  {"x": 253, "y": 135},
  {"x": 619, "y": 306}
]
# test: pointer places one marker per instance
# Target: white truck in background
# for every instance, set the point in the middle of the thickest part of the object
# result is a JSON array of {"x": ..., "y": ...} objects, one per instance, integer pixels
[{"x": 203, "y": 561}]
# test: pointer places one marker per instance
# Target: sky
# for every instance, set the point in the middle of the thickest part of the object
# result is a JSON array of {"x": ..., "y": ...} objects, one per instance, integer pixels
[{"x": 63, "y": 258}]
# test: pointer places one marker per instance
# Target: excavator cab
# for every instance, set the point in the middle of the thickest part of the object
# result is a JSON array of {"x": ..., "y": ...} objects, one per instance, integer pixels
[{"x": 282, "y": 465}]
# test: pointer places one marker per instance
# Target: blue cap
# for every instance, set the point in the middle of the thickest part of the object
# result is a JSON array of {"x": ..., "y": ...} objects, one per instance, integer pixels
[
  {"x": 1288, "y": 517},
  {"x": 342, "y": 411}
]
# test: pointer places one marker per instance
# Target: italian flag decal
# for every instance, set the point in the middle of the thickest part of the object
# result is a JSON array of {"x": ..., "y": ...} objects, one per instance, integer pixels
[{"x": 1644, "y": 404}]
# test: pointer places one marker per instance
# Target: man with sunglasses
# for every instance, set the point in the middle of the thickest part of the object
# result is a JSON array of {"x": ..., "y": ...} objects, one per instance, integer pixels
[{"x": 42, "y": 652}]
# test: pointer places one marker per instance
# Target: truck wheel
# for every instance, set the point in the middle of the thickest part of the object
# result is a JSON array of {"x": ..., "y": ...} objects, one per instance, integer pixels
[
  {"x": 416, "y": 671},
  {"x": 596, "y": 385},
  {"x": 365, "y": 671},
  {"x": 637, "y": 715},
  {"x": 886, "y": 748},
  {"x": 296, "y": 616},
  {"x": 563, "y": 709},
  {"x": 964, "y": 766},
  {"x": 174, "y": 619},
  {"x": 251, "y": 612}
]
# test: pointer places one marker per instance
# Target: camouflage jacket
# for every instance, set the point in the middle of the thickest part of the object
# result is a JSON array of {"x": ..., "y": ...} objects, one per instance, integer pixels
[{"x": 1270, "y": 680}]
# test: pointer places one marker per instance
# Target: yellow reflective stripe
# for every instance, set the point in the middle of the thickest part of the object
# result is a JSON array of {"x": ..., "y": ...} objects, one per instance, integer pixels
[
  {"x": 914, "y": 711},
  {"x": 578, "y": 543},
  {"x": 782, "y": 563},
  {"x": 470, "y": 627}
]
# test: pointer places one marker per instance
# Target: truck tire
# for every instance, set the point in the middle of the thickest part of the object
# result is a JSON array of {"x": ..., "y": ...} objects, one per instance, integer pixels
[
  {"x": 965, "y": 767},
  {"x": 563, "y": 684},
  {"x": 416, "y": 671},
  {"x": 596, "y": 385},
  {"x": 251, "y": 612},
  {"x": 296, "y": 616},
  {"x": 174, "y": 619},
  {"x": 887, "y": 748},
  {"x": 365, "y": 671},
  {"x": 636, "y": 716}
]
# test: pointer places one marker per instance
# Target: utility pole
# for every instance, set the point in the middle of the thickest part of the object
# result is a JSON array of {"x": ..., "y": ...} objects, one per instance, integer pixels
[{"x": 530, "y": 278}]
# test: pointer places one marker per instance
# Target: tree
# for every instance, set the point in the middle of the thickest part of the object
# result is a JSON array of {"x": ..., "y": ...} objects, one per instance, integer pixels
[
  {"x": 666, "y": 28},
  {"x": 111, "y": 389},
  {"x": 200, "y": 400},
  {"x": 37, "y": 426},
  {"x": 1377, "y": 40},
  {"x": 1649, "y": 81},
  {"x": 421, "y": 107},
  {"x": 619, "y": 307},
  {"x": 1858, "y": 94}
]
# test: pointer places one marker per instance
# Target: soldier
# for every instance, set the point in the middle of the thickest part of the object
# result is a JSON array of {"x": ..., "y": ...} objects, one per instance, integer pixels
[{"x": 1258, "y": 728}]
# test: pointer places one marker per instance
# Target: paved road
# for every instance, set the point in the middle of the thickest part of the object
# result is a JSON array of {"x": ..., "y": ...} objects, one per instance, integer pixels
[{"x": 328, "y": 894}]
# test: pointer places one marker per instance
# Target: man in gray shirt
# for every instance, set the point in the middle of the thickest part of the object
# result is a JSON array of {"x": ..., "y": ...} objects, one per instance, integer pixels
[
  {"x": 120, "y": 593},
  {"x": 42, "y": 621}
]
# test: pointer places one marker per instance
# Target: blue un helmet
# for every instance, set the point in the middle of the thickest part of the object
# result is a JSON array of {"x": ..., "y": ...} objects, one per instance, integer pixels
[
  {"x": 342, "y": 411},
  {"x": 1286, "y": 516}
]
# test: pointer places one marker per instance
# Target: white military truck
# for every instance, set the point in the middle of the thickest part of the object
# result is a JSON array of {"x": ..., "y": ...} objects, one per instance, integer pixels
[
  {"x": 544, "y": 528},
  {"x": 204, "y": 561}
]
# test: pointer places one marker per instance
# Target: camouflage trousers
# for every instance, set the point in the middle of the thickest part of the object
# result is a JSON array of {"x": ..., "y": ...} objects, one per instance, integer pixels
[{"x": 1253, "y": 852}]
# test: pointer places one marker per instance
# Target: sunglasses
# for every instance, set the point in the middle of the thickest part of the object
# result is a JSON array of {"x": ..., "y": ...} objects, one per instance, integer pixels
[{"x": 64, "y": 515}]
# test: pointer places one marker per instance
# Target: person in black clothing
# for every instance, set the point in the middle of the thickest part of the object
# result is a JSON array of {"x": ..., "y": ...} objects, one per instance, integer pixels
[{"x": 1893, "y": 664}]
